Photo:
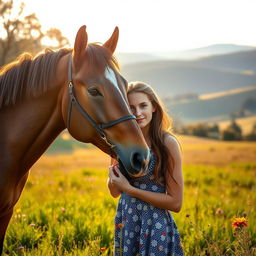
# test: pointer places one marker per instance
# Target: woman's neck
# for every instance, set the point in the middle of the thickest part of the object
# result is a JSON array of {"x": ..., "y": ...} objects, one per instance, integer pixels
[{"x": 147, "y": 139}]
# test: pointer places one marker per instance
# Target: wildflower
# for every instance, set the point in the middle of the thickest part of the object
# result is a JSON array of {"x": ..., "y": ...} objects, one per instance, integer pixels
[
  {"x": 120, "y": 225},
  {"x": 21, "y": 248},
  {"x": 18, "y": 210},
  {"x": 239, "y": 223},
  {"x": 219, "y": 212},
  {"x": 32, "y": 225},
  {"x": 103, "y": 249}
]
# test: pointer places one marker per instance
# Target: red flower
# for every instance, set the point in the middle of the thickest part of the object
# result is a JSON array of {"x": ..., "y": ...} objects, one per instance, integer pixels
[
  {"x": 163, "y": 234},
  {"x": 239, "y": 223}
]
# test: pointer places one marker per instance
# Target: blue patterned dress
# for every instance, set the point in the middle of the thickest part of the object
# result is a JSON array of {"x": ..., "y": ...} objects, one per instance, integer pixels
[{"x": 142, "y": 229}]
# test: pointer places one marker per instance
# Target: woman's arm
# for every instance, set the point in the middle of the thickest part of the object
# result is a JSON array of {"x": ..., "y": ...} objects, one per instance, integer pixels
[{"x": 172, "y": 200}]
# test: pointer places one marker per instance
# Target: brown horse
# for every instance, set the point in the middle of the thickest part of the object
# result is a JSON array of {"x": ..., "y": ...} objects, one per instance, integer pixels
[{"x": 79, "y": 89}]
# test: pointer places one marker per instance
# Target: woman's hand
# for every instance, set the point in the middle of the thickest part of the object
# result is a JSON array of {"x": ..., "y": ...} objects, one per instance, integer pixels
[
  {"x": 118, "y": 180},
  {"x": 114, "y": 191}
]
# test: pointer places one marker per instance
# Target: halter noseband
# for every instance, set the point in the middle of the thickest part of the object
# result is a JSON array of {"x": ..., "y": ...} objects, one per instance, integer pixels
[{"x": 99, "y": 127}]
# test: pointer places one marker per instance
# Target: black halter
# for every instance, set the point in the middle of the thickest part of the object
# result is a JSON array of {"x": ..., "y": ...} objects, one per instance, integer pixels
[{"x": 99, "y": 127}]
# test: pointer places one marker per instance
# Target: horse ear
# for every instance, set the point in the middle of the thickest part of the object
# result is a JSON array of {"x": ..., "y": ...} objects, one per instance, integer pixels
[
  {"x": 112, "y": 41},
  {"x": 80, "y": 45}
]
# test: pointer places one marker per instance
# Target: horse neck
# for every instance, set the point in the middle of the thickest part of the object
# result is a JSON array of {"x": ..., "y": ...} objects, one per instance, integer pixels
[{"x": 30, "y": 127}]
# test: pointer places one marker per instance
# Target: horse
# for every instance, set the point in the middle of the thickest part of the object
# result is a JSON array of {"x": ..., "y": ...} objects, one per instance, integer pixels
[{"x": 79, "y": 89}]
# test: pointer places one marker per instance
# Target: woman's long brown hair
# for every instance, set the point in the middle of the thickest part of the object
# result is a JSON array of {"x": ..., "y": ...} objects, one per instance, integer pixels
[{"x": 160, "y": 127}]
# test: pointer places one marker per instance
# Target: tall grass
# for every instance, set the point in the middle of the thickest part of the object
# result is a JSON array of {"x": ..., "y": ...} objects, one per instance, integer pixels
[{"x": 72, "y": 213}]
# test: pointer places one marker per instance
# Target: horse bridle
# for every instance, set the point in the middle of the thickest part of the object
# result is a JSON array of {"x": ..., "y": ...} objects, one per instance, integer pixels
[{"x": 99, "y": 127}]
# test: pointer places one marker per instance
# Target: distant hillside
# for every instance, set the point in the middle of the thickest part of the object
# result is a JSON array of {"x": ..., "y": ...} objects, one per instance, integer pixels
[
  {"x": 243, "y": 61},
  {"x": 216, "y": 49},
  {"x": 128, "y": 58},
  {"x": 171, "y": 78},
  {"x": 211, "y": 109}
]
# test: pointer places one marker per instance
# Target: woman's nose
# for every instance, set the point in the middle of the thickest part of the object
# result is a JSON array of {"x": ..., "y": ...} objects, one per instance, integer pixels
[{"x": 137, "y": 112}]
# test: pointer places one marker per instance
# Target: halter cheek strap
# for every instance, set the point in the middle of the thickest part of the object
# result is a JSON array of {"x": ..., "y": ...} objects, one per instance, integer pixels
[{"x": 99, "y": 127}]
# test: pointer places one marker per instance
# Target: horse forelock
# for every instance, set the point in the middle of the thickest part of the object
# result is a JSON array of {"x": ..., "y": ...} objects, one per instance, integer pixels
[
  {"x": 100, "y": 57},
  {"x": 28, "y": 76}
]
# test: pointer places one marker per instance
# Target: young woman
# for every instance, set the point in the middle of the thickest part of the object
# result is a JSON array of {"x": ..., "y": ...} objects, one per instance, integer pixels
[{"x": 143, "y": 223}]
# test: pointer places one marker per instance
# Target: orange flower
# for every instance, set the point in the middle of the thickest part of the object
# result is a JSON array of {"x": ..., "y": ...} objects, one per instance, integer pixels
[
  {"x": 103, "y": 249},
  {"x": 239, "y": 223},
  {"x": 120, "y": 225}
]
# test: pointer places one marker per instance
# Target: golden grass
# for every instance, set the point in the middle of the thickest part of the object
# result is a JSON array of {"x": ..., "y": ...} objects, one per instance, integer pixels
[
  {"x": 194, "y": 151},
  {"x": 212, "y": 152},
  {"x": 67, "y": 201}
]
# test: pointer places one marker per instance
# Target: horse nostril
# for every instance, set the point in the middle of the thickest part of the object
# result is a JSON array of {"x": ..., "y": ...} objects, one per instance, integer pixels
[{"x": 137, "y": 161}]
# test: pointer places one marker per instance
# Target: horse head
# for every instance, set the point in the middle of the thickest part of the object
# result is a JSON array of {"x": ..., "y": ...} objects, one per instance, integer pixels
[{"x": 96, "y": 108}]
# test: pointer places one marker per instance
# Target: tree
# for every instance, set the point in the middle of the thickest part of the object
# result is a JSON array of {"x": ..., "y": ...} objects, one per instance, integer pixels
[
  {"x": 57, "y": 38},
  {"x": 252, "y": 134},
  {"x": 233, "y": 132},
  {"x": 21, "y": 33}
]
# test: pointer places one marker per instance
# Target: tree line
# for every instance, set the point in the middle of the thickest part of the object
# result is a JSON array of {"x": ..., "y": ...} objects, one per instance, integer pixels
[
  {"x": 20, "y": 33},
  {"x": 232, "y": 132}
]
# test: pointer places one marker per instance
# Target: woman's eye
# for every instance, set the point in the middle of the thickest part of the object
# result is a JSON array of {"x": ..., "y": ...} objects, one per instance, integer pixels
[{"x": 94, "y": 92}]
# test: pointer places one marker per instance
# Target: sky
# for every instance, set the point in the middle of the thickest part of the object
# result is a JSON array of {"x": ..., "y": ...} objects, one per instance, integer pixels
[{"x": 152, "y": 25}]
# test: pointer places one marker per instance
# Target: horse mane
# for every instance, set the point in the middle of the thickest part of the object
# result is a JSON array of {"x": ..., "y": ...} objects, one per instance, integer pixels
[{"x": 30, "y": 76}]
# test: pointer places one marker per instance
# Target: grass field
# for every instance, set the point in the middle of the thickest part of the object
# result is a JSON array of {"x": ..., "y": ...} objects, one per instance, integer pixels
[{"x": 66, "y": 209}]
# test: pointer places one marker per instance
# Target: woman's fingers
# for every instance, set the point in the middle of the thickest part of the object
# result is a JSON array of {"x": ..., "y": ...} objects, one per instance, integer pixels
[{"x": 119, "y": 174}]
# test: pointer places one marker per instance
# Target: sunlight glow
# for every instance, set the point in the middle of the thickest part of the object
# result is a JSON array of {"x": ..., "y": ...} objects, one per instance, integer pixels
[{"x": 151, "y": 26}]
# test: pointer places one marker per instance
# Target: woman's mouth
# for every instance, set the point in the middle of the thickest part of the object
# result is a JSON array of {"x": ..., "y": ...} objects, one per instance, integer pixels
[{"x": 139, "y": 120}]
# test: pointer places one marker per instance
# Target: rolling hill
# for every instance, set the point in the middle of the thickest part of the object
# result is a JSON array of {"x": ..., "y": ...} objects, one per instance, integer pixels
[
  {"x": 206, "y": 75},
  {"x": 211, "y": 108},
  {"x": 216, "y": 49},
  {"x": 171, "y": 78},
  {"x": 243, "y": 61}
]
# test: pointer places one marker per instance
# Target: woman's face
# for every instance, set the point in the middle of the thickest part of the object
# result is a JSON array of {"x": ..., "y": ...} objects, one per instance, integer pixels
[{"x": 141, "y": 107}]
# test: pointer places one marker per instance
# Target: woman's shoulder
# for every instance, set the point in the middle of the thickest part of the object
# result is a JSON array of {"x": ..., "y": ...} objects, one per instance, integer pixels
[
  {"x": 173, "y": 145},
  {"x": 170, "y": 140}
]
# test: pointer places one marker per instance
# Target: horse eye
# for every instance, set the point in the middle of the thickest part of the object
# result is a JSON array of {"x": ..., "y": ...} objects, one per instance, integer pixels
[{"x": 94, "y": 92}]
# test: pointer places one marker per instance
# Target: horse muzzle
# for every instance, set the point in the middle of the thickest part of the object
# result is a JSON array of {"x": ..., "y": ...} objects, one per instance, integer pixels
[{"x": 133, "y": 161}]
